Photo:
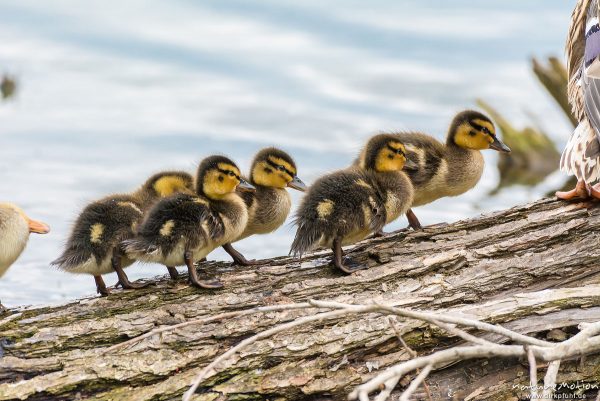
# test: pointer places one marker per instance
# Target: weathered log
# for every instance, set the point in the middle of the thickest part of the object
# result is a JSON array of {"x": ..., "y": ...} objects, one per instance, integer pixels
[{"x": 495, "y": 268}]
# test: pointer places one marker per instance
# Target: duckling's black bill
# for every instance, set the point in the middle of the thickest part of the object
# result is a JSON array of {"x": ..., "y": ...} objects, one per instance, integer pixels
[
  {"x": 245, "y": 186},
  {"x": 499, "y": 146},
  {"x": 297, "y": 184}
]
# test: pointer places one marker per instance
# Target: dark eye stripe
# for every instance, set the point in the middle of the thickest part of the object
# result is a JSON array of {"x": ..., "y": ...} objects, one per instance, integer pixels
[
  {"x": 277, "y": 166},
  {"x": 227, "y": 172},
  {"x": 399, "y": 151},
  {"x": 481, "y": 128}
]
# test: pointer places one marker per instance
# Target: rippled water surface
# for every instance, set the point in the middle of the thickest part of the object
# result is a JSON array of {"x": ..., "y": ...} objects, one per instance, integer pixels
[{"x": 112, "y": 91}]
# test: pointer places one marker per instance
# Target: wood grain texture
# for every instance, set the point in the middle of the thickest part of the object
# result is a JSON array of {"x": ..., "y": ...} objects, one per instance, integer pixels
[{"x": 532, "y": 268}]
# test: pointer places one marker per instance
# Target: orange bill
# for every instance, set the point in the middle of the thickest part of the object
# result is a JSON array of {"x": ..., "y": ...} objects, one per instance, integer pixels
[{"x": 38, "y": 227}]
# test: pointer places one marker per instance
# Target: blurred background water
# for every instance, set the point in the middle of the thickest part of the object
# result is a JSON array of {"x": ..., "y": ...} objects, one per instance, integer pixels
[{"x": 111, "y": 91}]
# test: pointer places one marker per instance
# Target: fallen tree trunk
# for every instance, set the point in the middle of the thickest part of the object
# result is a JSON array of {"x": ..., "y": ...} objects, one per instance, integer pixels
[{"x": 531, "y": 268}]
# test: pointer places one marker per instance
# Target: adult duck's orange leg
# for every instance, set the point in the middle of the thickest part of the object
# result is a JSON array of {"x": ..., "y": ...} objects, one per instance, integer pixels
[
  {"x": 580, "y": 191},
  {"x": 595, "y": 191}
]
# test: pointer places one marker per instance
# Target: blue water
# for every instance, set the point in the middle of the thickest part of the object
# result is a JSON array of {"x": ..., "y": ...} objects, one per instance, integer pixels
[{"x": 112, "y": 91}]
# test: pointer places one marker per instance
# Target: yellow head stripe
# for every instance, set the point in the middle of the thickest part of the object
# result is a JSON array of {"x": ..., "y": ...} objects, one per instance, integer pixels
[
  {"x": 396, "y": 146},
  {"x": 485, "y": 124},
  {"x": 282, "y": 162},
  {"x": 170, "y": 184},
  {"x": 229, "y": 167}
]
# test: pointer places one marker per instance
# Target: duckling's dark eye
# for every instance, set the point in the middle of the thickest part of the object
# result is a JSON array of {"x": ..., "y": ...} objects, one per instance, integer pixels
[
  {"x": 280, "y": 168},
  {"x": 231, "y": 173}
]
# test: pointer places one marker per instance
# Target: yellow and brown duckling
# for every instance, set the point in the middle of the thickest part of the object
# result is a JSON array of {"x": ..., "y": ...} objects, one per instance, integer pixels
[
  {"x": 15, "y": 227},
  {"x": 346, "y": 206},
  {"x": 182, "y": 229},
  {"x": 94, "y": 246},
  {"x": 438, "y": 170},
  {"x": 271, "y": 172}
]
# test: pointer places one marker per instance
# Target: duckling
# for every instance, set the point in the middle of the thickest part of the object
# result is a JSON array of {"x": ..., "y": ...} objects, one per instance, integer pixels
[
  {"x": 15, "y": 228},
  {"x": 94, "y": 244},
  {"x": 437, "y": 170},
  {"x": 271, "y": 172},
  {"x": 581, "y": 156},
  {"x": 344, "y": 207},
  {"x": 184, "y": 228}
]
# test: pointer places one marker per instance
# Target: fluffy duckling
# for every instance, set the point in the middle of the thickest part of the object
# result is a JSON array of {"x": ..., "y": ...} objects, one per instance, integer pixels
[
  {"x": 15, "y": 228},
  {"x": 344, "y": 207},
  {"x": 94, "y": 246},
  {"x": 182, "y": 229},
  {"x": 271, "y": 172},
  {"x": 437, "y": 170}
]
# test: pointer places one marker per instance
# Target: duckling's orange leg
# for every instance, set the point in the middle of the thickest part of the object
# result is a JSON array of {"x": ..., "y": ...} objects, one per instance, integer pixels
[
  {"x": 413, "y": 221},
  {"x": 193, "y": 274},
  {"x": 173, "y": 272},
  {"x": 579, "y": 192},
  {"x": 100, "y": 286},
  {"x": 349, "y": 266},
  {"x": 238, "y": 258},
  {"x": 123, "y": 279}
]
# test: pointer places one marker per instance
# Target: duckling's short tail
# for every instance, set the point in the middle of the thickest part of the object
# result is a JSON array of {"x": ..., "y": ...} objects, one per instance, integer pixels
[
  {"x": 306, "y": 239},
  {"x": 137, "y": 247},
  {"x": 71, "y": 259}
]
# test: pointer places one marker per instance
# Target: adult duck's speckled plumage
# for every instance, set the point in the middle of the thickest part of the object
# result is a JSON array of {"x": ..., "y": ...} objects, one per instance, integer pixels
[
  {"x": 344, "y": 207},
  {"x": 271, "y": 172},
  {"x": 438, "y": 170},
  {"x": 183, "y": 228},
  {"x": 94, "y": 246},
  {"x": 581, "y": 156}
]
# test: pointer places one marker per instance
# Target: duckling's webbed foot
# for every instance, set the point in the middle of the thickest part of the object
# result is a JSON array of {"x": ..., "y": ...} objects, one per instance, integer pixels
[
  {"x": 123, "y": 279},
  {"x": 413, "y": 221},
  {"x": 173, "y": 272},
  {"x": 579, "y": 192},
  {"x": 193, "y": 275},
  {"x": 346, "y": 265},
  {"x": 100, "y": 286},
  {"x": 238, "y": 258}
]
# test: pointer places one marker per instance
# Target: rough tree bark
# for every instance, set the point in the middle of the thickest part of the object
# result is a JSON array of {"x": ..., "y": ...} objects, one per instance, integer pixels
[{"x": 532, "y": 268}]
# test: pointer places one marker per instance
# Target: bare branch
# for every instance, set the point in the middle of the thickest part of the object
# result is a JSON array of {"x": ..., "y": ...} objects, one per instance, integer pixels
[
  {"x": 532, "y": 373},
  {"x": 550, "y": 380},
  {"x": 416, "y": 383},
  {"x": 433, "y": 317},
  {"x": 268, "y": 333}
]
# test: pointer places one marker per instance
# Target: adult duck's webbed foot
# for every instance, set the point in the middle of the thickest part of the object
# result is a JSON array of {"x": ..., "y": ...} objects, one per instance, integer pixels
[{"x": 579, "y": 192}]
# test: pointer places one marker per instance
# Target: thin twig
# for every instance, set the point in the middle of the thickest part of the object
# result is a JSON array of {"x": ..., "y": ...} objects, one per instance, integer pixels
[
  {"x": 268, "y": 333},
  {"x": 532, "y": 373},
  {"x": 432, "y": 317},
  {"x": 391, "y": 385},
  {"x": 550, "y": 380},
  {"x": 577, "y": 345},
  {"x": 416, "y": 383}
]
